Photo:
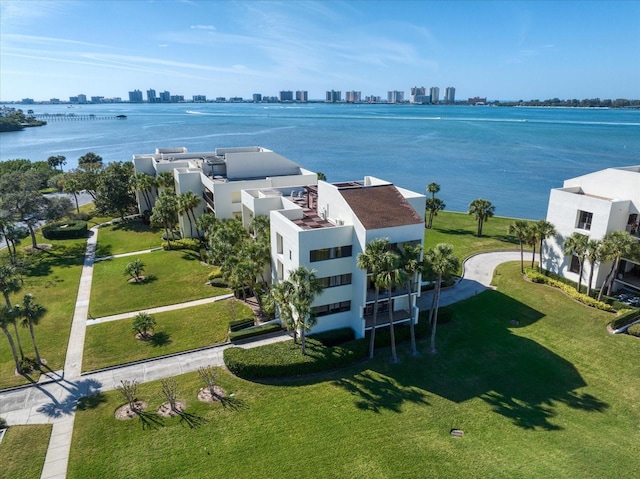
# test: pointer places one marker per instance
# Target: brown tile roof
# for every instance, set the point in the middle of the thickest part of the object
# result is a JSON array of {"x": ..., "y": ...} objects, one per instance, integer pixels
[{"x": 381, "y": 206}]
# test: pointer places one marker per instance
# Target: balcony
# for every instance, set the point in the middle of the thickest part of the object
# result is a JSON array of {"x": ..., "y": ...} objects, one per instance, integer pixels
[
  {"x": 399, "y": 317},
  {"x": 208, "y": 199}
]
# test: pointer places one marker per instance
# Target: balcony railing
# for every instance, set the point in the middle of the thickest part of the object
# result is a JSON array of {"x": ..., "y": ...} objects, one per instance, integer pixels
[{"x": 399, "y": 317}]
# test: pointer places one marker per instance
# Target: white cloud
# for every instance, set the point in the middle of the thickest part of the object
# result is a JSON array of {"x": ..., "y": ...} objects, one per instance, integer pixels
[{"x": 202, "y": 27}]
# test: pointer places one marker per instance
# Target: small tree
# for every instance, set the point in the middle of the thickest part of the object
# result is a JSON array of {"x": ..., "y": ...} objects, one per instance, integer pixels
[
  {"x": 129, "y": 390},
  {"x": 170, "y": 392},
  {"x": 143, "y": 324},
  {"x": 209, "y": 377},
  {"x": 483, "y": 210},
  {"x": 135, "y": 269}
]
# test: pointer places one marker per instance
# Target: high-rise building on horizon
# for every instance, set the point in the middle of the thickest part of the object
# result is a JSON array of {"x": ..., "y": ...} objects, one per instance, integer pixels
[
  {"x": 135, "y": 96},
  {"x": 333, "y": 96},
  {"x": 417, "y": 94},
  {"x": 302, "y": 96},
  {"x": 165, "y": 96},
  {"x": 151, "y": 95},
  {"x": 286, "y": 95},
  {"x": 353, "y": 97},
  {"x": 450, "y": 95},
  {"x": 434, "y": 93},
  {"x": 395, "y": 96},
  {"x": 199, "y": 98}
]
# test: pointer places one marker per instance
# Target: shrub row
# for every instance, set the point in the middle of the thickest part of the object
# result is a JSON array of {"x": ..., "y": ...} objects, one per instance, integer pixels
[
  {"x": 634, "y": 330},
  {"x": 183, "y": 243},
  {"x": 65, "y": 230},
  {"x": 284, "y": 359},
  {"x": 252, "y": 332},
  {"x": 627, "y": 317},
  {"x": 335, "y": 337},
  {"x": 239, "y": 324},
  {"x": 537, "y": 277}
]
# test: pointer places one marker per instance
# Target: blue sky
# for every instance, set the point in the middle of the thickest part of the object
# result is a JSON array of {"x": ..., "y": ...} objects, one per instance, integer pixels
[{"x": 505, "y": 50}]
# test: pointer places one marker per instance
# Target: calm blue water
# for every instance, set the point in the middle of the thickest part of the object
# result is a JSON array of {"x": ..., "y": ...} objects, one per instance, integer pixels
[{"x": 511, "y": 156}]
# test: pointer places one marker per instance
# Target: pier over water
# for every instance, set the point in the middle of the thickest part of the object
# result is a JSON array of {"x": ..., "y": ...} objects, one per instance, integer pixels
[{"x": 76, "y": 117}]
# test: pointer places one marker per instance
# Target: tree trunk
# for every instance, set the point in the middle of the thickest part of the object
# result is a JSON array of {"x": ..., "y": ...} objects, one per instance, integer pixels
[
  {"x": 34, "y": 243},
  {"x": 533, "y": 255},
  {"x": 613, "y": 275},
  {"x": 430, "y": 224},
  {"x": 521, "y": 257},
  {"x": 392, "y": 332},
  {"x": 580, "y": 276},
  {"x": 35, "y": 345},
  {"x": 75, "y": 195},
  {"x": 372, "y": 339},
  {"x": 303, "y": 337},
  {"x": 590, "y": 279},
  {"x": 15, "y": 328},
  {"x": 412, "y": 330},
  {"x": 13, "y": 350},
  {"x": 479, "y": 227},
  {"x": 606, "y": 281},
  {"x": 540, "y": 253},
  {"x": 434, "y": 323}
]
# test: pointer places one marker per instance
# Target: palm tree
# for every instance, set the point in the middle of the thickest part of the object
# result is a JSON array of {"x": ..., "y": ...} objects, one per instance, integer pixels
[
  {"x": 143, "y": 183},
  {"x": 483, "y": 210},
  {"x": 165, "y": 213},
  {"x": 166, "y": 180},
  {"x": 31, "y": 313},
  {"x": 187, "y": 202},
  {"x": 9, "y": 283},
  {"x": 72, "y": 186},
  {"x": 143, "y": 324},
  {"x": 576, "y": 245},
  {"x": 442, "y": 262},
  {"x": 391, "y": 276},
  {"x": 545, "y": 229},
  {"x": 594, "y": 255},
  {"x": 520, "y": 229},
  {"x": 413, "y": 266},
  {"x": 373, "y": 260},
  {"x": 281, "y": 293},
  {"x": 7, "y": 317},
  {"x": 305, "y": 288},
  {"x": 433, "y": 204},
  {"x": 532, "y": 239},
  {"x": 134, "y": 269},
  {"x": 615, "y": 245}
]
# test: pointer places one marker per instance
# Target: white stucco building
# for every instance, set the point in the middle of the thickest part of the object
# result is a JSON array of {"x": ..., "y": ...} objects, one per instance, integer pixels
[
  {"x": 594, "y": 205},
  {"x": 316, "y": 224}
]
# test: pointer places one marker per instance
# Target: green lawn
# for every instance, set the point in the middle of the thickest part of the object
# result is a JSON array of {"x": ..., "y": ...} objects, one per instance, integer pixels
[
  {"x": 460, "y": 230},
  {"x": 23, "y": 450},
  {"x": 113, "y": 343},
  {"x": 127, "y": 236},
  {"x": 172, "y": 277},
  {"x": 551, "y": 396}
]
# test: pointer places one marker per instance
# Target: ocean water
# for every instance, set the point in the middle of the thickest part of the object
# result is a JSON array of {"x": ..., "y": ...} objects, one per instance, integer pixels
[{"x": 511, "y": 156}]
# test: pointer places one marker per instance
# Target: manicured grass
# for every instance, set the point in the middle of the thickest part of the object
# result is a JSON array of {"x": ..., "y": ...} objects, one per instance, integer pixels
[
  {"x": 460, "y": 230},
  {"x": 127, "y": 236},
  {"x": 551, "y": 396},
  {"x": 23, "y": 450},
  {"x": 113, "y": 343},
  {"x": 172, "y": 277}
]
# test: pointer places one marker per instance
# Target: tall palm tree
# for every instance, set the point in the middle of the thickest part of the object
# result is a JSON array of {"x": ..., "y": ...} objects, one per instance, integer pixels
[
  {"x": 187, "y": 202},
  {"x": 433, "y": 204},
  {"x": 520, "y": 229},
  {"x": 594, "y": 255},
  {"x": 442, "y": 262},
  {"x": 143, "y": 183},
  {"x": 615, "y": 245},
  {"x": 72, "y": 186},
  {"x": 532, "y": 240},
  {"x": 373, "y": 260},
  {"x": 391, "y": 276},
  {"x": 576, "y": 245},
  {"x": 165, "y": 180},
  {"x": 545, "y": 229},
  {"x": 413, "y": 266},
  {"x": 483, "y": 210},
  {"x": 165, "y": 213},
  {"x": 7, "y": 317},
  {"x": 281, "y": 293},
  {"x": 9, "y": 283},
  {"x": 306, "y": 287},
  {"x": 31, "y": 313}
]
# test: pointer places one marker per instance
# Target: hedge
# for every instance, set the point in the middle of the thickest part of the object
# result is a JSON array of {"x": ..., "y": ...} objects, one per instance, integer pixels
[
  {"x": 65, "y": 230},
  {"x": 335, "y": 336},
  {"x": 238, "y": 324},
  {"x": 183, "y": 243},
  {"x": 627, "y": 317},
  {"x": 284, "y": 359},
  {"x": 634, "y": 330},
  {"x": 252, "y": 332},
  {"x": 537, "y": 277}
]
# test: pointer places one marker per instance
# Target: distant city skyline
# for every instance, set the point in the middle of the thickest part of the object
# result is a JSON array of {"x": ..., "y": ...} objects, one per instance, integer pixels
[{"x": 506, "y": 50}]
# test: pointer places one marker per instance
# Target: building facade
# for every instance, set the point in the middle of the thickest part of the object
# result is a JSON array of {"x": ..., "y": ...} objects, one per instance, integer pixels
[{"x": 594, "y": 205}]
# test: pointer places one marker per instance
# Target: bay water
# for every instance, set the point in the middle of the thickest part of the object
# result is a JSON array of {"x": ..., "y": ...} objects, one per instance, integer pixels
[{"x": 509, "y": 155}]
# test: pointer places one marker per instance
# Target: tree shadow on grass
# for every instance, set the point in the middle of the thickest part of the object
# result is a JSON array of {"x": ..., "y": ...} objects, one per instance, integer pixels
[
  {"x": 233, "y": 403},
  {"x": 159, "y": 339},
  {"x": 134, "y": 225},
  {"x": 149, "y": 420},
  {"x": 152, "y": 278},
  {"x": 193, "y": 421},
  {"x": 91, "y": 402},
  {"x": 456, "y": 232}
]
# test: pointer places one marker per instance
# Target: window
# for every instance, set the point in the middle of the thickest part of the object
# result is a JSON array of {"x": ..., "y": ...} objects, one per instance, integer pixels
[
  {"x": 279, "y": 243},
  {"x": 574, "y": 266},
  {"x": 330, "y": 253},
  {"x": 331, "y": 308},
  {"x": 332, "y": 281},
  {"x": 584, "y": 220}
]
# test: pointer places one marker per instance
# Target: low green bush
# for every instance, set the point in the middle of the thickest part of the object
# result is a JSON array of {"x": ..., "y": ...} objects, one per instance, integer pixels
[
  {"x": 335, "y": 336},
  {"x": 537, "y": 277},
  {"x": 173, "y": 235},
  {"x": 219, "y": 283},
  {"x": 183, "y": 243},
  {"x": 215, "y": 273},
  {"x": 65, "y": 230},
  {"x": 284, "y": 359},
  {"x": 3, "y": 423},
  {"x": 625, "y": 318},
  {"x": 634, "y": 330},
  {"x": 239, "y": 324},
  {"x": 252, "y": 332}
]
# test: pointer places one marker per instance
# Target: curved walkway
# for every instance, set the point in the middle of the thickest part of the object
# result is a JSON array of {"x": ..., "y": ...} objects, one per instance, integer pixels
[{"x": 55, "y": 401}]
